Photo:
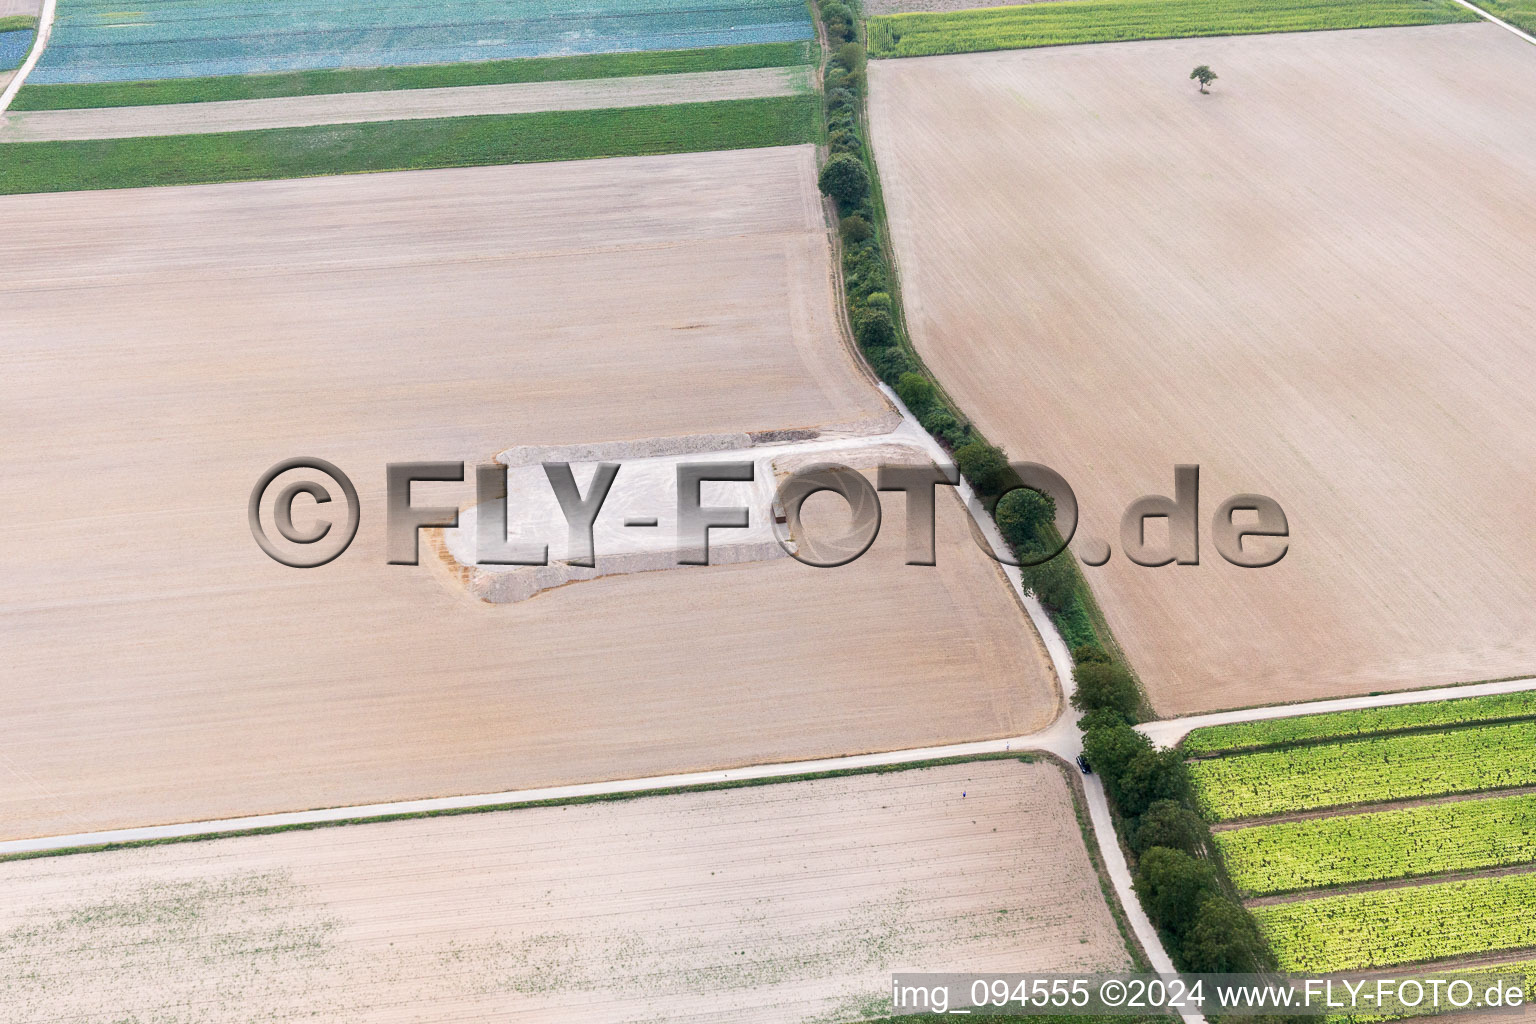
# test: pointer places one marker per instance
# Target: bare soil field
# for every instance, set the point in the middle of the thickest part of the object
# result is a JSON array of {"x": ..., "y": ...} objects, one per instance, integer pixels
[
  {"x": 167, "y": 346},
  {"x": 1311, "y": 282},
  {"x": 778, "y": 903},
  {"x": 8, "y": 8},
  {"x": 404, "y": 104}
]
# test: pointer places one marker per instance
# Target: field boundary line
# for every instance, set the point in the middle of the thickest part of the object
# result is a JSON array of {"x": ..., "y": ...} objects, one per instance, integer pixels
[
  {"x": 1171, "y": 731},
  {"x": 1506, "y": 26},
  {"x": 44, "y": 30}
]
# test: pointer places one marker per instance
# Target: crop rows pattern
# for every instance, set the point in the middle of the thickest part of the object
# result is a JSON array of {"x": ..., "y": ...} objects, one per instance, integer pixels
[
  {"x": 1345, "y": 724},
  {"x": 1411, "y": 842},
  {"x": 1101, "y": 21},
  {"x": 1366, "y": 771},
  {"x": 1402, "y": 926},
  {"x": 100, "y": 41}
]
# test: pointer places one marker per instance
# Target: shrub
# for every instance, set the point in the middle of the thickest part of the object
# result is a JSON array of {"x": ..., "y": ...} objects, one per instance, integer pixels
[
  {"x": 1109, "y": 751},
  {"x": 915, "y": 390},
  {"x": 840, "y": 99},
  {"x": 1225, "y": 939},
  {"x": 1152, "y": 775},
  {"x": 878, "y": 300},
  {"x": 845, "y": 140},
  {"x": 941, "y": 423},
  {"x": 1172, "y": 886},
  {"x": 1089, "y": 654},
  {"x": 984, "y": 465},
  {"x": 840, "y": 120},
  {"x": 1167, "y": 823},
  {"x": 891, "y": 363},
  {"x": 1103, "y": 718},
  {"x": 839, "y": 20},
  {"x": 851, "y": 57},
  {"x": 855, "y": 229},
  {"x": 1021, "y": 513},
  {"x": 873, "y": 328},
  {"x": 1101, "y": 684},
  {"x": 1054, "y": 582}
]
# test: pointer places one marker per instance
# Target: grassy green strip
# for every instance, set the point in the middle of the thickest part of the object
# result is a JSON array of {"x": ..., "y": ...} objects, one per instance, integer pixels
[
  {"x": 1280, "y": 732},
  {"x": 883, "y": 769},
  {"x": 1519, "y": 13},
  {"x": 1367, "y": 771},
  {"x": 17, "y": 23},
  {"x": 425, "y": 76},
  {"x": 1104, "y": 21},
  {"x": 1413, "y": 842},
  {"x": 1402, "y": 926},
  {"x": 404, "y": 145}
]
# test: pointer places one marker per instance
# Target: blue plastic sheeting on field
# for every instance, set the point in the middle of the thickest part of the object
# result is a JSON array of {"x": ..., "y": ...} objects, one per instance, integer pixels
[
  {"x": 129, "y": 40},
  {"x": 13, "y": 48}
]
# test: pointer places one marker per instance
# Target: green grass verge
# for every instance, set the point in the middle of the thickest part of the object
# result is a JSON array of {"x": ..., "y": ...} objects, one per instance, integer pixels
[
  {"x": 405, "y": 145},
  {"x": 1280, "y": 732},
  {"x": 17, "y": 23},
  {"x": 1104, "y": 21},
  {"x": 1367, "y": 771},
  {"x": 1402, "y": 926},
  {"x": 425, "y": 76},
  {"x": 1519, "y": 13},
  {"x": 1413, "y": 842}
]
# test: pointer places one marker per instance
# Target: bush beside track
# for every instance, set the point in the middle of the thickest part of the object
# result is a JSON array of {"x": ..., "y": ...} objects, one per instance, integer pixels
[
  {"x": 407, "y": 145},
  {"x": 1178, "y": 877},
  {"x": 1103, "y": 21},
  {"x": 419, "y": 76}
]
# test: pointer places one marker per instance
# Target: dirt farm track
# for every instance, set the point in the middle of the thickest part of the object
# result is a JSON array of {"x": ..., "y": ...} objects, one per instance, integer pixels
[
  {"x": 1314, "y": 282},
  {"x": 167, "y": 346}
]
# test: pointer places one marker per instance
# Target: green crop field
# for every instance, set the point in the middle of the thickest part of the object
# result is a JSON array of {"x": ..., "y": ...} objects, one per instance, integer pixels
[
  {"x": 1402, "y": 926},
  {"x": 1412, "y": 842},
  {"x": 17, "y": 23},
  {"x": 1367, "y": 771},
  {"x": 422, "y": 76},
  {"x": 1520, "y": 13},
  {"x": 407, "y": 145},
  {"x": 1104, "y": 21},
  {"x": 1343, "y": 724}
]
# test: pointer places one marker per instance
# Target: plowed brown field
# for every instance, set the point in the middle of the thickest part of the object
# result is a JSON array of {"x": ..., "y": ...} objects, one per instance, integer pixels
[{"x": 1313, "y": 282}]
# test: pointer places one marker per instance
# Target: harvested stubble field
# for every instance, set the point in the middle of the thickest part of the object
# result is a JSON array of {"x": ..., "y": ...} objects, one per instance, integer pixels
[
  {"x": 787, "y": 902},
  {"x": 167, "y": 346},
  {"x": 1310, "y": 282}
]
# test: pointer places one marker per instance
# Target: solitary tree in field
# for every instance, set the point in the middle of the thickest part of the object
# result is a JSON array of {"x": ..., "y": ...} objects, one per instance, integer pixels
[{"x": 1204, "y": 75}]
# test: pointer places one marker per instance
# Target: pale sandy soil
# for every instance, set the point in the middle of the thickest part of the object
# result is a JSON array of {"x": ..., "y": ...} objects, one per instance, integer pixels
[
  {"x": 401, "y": 104},
  {"x": 166, "y": 346},
  {"x": 10, "y": 7},
  {"x": 778, "y": 903},
  {"x": 1313, "y": 282}
]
